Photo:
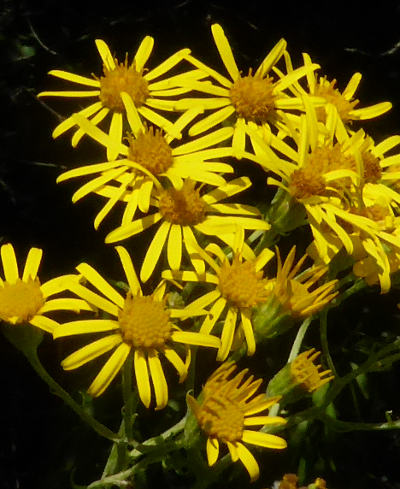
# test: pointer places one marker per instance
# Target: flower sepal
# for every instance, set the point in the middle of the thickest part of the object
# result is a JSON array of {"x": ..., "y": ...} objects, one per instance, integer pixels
[
  {"x": 270, "y": 320},
  {"x": 23, "y": 336},
  {"x": 285, "y": 214}
]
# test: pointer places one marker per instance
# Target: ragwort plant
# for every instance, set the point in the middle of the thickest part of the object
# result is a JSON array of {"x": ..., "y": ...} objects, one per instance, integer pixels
[{"x": 173, "y": 138}]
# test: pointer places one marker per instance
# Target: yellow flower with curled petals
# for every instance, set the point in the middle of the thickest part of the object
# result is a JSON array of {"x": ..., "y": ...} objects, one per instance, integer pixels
[
  {"x": 319, "y": 87},
  {"x": 295, "y": 291},
  {"x": 23, "y": 299},
  {"x": 239, "y": 287},
  {"x": 141, "y": 324},
  {"x": 253, "y": 100},
  {"x": 149, "y": 158},
  {"x": 227, "y": 409},
  {"x": 146, "y": 91},
  {"x": 306, "y": 374},
  {"x": 182, "y": 211}
]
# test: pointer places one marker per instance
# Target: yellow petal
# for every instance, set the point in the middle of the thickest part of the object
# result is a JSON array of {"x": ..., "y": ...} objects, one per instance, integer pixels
[
  {"x": 32, "y": 264},
  {"x": 85, "y": 326},
  {"x": 197, "y": 339},
  {"x": 174, "y": 248},
  {"x": 248, "y": 461},
  {"x": 142, "y": 377},
  {"x": 10, "y": 266},
  {"x": 158, "y": 379},
  {"x": 225, "y": 51},
  {"x": 129, "y": 270},
  {"x": 228, "y": 331},
  {"x": 83, "y": 80},
  {"x": 109, "y": 371},
  {"x": 44, "y": 323},
  {"x": 105, "y": 54},
  {"x": 154, "y": 251},
  {"x": 143, "y": 53},
  {"x": 212, "y": 120},
  {"x": 90, "y": 352},
  {"x": 212, "y": 450},
  {"x": 135, "y": 227},
  {"x": 177, "y": 362},
  {"x": 263, "y": 439},
  {"x": 102, "y": 285},
  {"x": 166, "y": 65}
]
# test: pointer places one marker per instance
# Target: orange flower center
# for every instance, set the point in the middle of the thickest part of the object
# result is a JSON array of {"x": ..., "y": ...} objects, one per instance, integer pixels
[
  {"x": 150, "y": 150},
  {"x": 241, "y": 284},
  {"x": 184, "y": 206},
  {"x": 253, "y": 97},
  {"x": 221, "y": 418},
  {"x": 122, "y": 78},
  {"x": 21, "y": 301},
  {"x": 332, "y": 95},
  {"x": 309, "y": 180},
  {"x": 144, "y": 322}
]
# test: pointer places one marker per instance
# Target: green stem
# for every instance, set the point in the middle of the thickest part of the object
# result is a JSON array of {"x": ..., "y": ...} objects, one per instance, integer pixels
[
  {"x": 127, "y": 393},
  {"x": 102, "y": 430},
  {"x": 324, "y": 341},
  {"x": 299, "y": 339}
]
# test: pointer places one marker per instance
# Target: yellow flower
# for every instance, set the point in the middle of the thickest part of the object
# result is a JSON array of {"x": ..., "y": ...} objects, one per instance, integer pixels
[
  {"x": 308, "y": 375},
  {"x": 141, "y": 324},
  {"x": 344, "y": 101},
  {"x": 253, "y": 100},
  {"x": 184, "y": 210},
  {"x": 293, "y": 289},
  {"x": 145, "y": 93},
  {"x": 239, "y": 287},
  {"x": 227, "y": 408},
  {"x": 148, "y": 158},
  {"x": 24, "y": 300}
]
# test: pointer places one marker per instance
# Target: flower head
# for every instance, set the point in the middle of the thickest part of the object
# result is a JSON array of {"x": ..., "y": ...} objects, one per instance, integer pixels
[
  {"x": 23, "y": 299},
  {"x": 294, "y": 290},
  {"x": 150, "y": 159},
  {"x": 306, "y": 374},
  {"x": 140, "y": 85},
  {"x": 141, "y": 324},
  {"x": 325, "y": 92},
  {"x": 239, "y": 286},
  {"x": 182, "y": 211},
  {"x": 253, "y": 100},
  {"x": 227, "y": 407}
]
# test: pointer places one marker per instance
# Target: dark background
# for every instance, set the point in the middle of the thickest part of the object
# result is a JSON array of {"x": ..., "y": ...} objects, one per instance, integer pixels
[{"x": 40, "y": 440}]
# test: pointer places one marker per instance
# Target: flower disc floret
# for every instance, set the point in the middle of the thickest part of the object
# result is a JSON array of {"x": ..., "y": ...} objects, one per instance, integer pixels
[
  {"x": 240, "y": 283},
  {"x": 144, "y": 322},
  {"x": 253, "y": 98},
  {"x": 184, "y": 206},
  {"x": 122, "y": 78},
  {"x": 221, "y": 418},
  {"x": 150, "y": 150},
  {"x": 21, "y": 300},
  {"x": 307, "y": 374},
  {"x": 331, "y": 94}
]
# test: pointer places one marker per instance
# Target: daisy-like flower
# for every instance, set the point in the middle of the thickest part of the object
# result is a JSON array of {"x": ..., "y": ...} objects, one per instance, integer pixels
[
  {"x": 299, "y": 378},
  {"x": 148, "y": 94},
  {"x": 141, "y": 324},
  {"x": 148, "y": 158},
  {"x": 295, "y": 290},
  {"x": 227, "y": 408},
  {"x": 307, "y": 374},
  {"x": 23, "y": 299},
  {"x": 253, "y": 100},
  {"x": 182, "y": 211},
  {"x": 344, "y": 101},
  {"x": 239, "y": 286}
]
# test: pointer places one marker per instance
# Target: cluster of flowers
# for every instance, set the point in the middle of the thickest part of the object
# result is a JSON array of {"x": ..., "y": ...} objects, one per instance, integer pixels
[{"x": 297, "y": 126}]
